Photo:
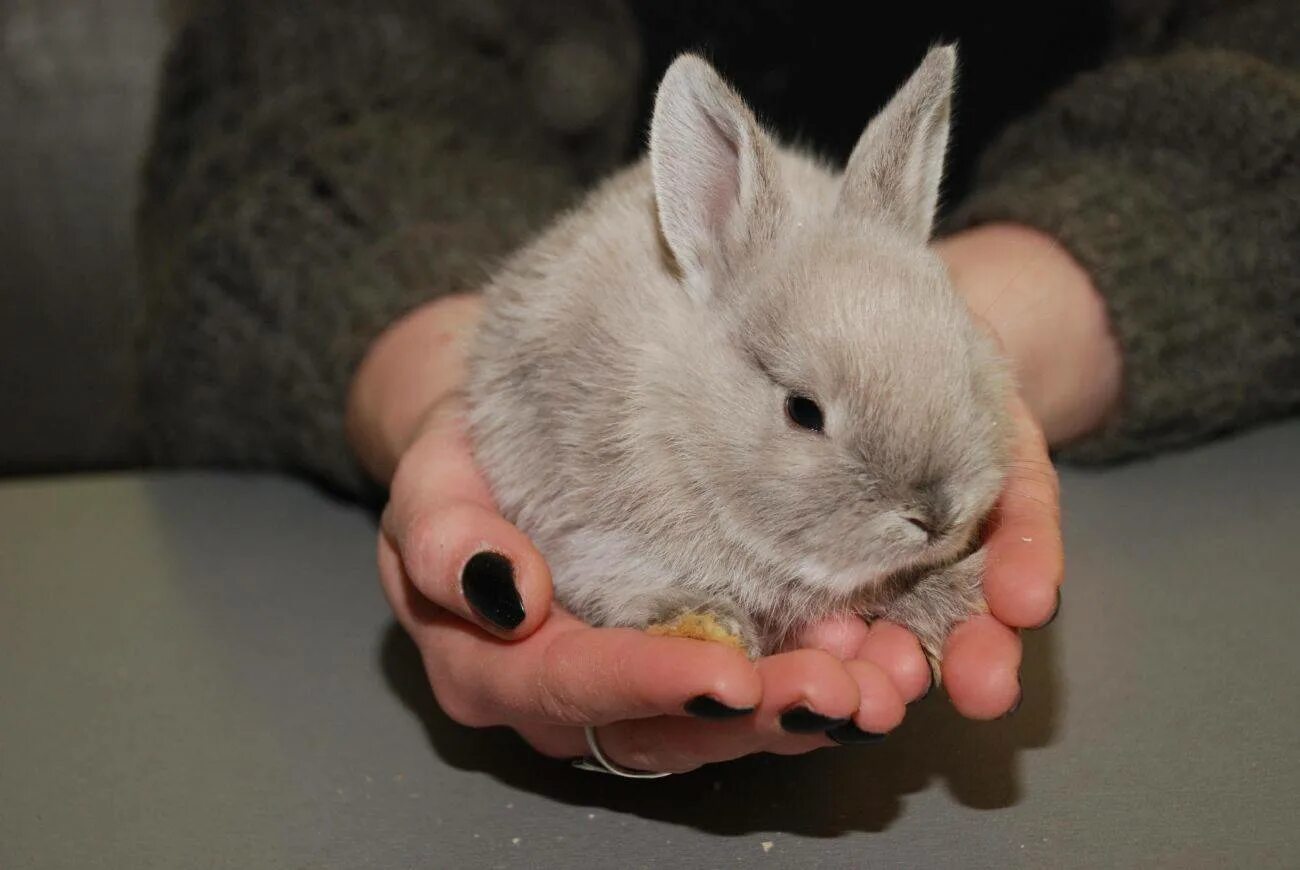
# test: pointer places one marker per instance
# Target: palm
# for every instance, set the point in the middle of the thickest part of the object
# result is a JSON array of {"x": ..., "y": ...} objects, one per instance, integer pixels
[{"x": 564, "y": 674}]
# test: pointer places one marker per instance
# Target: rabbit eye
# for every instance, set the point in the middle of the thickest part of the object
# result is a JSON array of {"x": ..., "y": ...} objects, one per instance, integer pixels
[{"x": 804, "y": 412}]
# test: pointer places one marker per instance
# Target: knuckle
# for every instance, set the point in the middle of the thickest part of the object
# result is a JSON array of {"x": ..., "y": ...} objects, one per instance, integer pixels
[
  {"x": 812, "y": 661},
  {"x": 427, "y": 540},
  {"x": 556, "y": 687},
  {"x": 555, "y": 703}
]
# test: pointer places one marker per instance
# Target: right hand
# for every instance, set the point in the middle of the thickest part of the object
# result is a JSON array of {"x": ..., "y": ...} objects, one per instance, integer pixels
[{"x": 475, "y": 596}]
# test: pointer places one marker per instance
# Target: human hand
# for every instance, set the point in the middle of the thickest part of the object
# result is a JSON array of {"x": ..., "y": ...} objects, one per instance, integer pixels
[
  {"x": 475, "y": 596},
  {"x": 1041, "y": 306},
  {"x": 1051, "y": 321},
  {"x": 1023, "y": 570},
  {"x": 1043, "y": 309},
  {"x": 404, "y": 405}
]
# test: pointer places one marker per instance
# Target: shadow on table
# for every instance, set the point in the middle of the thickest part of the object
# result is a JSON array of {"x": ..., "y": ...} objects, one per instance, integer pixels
[{"x": 823, "y": 794}]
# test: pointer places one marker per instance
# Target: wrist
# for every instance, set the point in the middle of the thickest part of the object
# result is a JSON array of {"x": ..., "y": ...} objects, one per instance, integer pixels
[
  {"x": 413, "y": 364},
  {"x": 1050, "y": 319}
]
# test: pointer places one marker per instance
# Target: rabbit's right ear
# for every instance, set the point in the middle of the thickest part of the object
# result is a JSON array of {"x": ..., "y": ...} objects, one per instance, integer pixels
[
  {"x": 713, "y": 169},
  {"x": 895, "y": 169}
]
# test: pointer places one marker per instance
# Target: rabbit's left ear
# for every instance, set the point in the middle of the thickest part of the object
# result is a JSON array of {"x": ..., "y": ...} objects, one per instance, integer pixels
[
  {"x": 713, "y": 173},
  {"x": 896, "y": 167}
]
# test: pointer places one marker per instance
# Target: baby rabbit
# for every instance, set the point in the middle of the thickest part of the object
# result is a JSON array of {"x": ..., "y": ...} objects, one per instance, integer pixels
[{"x": 734, "y": 388}]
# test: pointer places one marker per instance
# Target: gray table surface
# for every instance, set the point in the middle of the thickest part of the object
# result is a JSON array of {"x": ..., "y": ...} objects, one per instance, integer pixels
[{"x": 199, "y": 670}]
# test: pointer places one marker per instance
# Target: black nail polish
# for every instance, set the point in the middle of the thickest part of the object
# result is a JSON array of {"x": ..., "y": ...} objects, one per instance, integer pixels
[
  {"x": 849, "y": 734},
  {"x": 488, "y": 581},
  {"x": 707, "y": 707},
  {"x": 801, "y": 720}
]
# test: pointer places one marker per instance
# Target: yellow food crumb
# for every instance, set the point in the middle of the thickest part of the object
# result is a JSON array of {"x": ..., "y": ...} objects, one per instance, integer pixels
[{"x": 698, "y": 626}]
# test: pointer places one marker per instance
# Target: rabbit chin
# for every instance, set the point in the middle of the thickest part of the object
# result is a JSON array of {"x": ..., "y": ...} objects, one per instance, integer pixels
[{"x": 868, "y": 574}]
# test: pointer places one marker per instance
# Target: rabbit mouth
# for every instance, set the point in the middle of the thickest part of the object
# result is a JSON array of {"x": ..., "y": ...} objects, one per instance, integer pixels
[{"x": 875, "y": 575}]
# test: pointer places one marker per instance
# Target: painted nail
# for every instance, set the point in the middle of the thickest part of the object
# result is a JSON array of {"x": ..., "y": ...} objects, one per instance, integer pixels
[
  {"x": 801, "y": 720},
  {"x": 849, "y": 734},
  {"x": 488, "y": 581},
  {"x": 707, "y": 707}
]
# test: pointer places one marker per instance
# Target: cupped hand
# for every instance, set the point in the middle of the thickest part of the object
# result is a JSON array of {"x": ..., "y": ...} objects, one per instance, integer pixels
[
  {"x": 475, "y": 596},
  {"x": 1023, "y": 573},
  {"x": 1043, "y": 309}
]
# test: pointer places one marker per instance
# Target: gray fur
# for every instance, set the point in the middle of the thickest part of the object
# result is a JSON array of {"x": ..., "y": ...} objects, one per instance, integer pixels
[{"x": 629, "y": 380}]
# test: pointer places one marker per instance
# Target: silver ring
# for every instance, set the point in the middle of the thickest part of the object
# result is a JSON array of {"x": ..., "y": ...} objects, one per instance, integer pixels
[{"x": 600, "y": 763}]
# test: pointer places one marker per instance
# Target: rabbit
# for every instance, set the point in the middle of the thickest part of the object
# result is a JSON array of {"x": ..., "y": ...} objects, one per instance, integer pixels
[{"x": 737, "y": 386}]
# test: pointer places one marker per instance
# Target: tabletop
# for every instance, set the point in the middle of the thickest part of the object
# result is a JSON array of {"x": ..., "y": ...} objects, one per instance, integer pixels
[{"x": 198, "y": 669}]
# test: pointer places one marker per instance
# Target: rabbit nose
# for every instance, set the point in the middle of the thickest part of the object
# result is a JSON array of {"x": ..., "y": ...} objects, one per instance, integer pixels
[{"x": 928, "y": 510}]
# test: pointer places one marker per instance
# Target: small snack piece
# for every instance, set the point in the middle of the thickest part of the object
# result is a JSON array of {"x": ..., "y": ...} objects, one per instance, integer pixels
[{"x": 697, "y": 626}]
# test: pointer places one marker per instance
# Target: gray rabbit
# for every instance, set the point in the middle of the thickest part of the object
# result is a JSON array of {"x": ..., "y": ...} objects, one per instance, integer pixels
[{"x": 736, "y": 385}]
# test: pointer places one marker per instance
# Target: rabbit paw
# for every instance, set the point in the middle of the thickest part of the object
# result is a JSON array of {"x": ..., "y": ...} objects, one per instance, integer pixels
[
  {"x": 711, "y": 620},
  {"x": 936, "y": 603}
]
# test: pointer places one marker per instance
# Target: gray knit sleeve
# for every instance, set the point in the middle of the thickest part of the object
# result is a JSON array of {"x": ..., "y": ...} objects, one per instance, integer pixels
[
  {"x": 1173, "y": 176},
  {"x": 317, "y": 169}
]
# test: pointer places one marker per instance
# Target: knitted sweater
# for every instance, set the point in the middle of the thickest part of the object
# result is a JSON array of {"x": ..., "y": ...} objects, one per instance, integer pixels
[{"x": 318, "y": 169}]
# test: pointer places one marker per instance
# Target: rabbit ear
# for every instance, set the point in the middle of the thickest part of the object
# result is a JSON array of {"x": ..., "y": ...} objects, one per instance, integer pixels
[
  {"x": 713, "y": 170},
  {"x": 897, "y": 165}
]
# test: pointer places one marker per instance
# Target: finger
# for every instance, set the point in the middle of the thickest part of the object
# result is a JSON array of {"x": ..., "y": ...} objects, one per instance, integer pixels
[
  {"x": 839, "y": 635},
  {"x": 570, "y": 674},
  {"x": 981, "y": 664},
  {"x": 470, "y": 561},
  {"x": 897, "y": 653},
  {"x": 1025, "y": 556},
  {"x": 881, "y": 707},
  {"x": 555, "y": 741},
  {"x": 805, "y": 693},
  {"x": 675, "y": 745},
  {"x": 457, "y": 550}
]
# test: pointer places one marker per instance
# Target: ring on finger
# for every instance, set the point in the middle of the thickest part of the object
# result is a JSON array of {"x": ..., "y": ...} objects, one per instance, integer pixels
[{"x": 599, "y": 762}]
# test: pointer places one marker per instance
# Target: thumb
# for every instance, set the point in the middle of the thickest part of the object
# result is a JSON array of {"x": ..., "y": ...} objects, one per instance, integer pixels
[{"x": 443, "y": 532}]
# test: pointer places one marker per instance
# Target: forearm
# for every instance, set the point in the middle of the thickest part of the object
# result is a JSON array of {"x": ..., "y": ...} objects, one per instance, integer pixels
[
  {"x": 1170, "y": 178},
  {"x": 1049, "y": 318},
  {"x": 417, "y": 362},
  {"x": 291, "y": 211}
]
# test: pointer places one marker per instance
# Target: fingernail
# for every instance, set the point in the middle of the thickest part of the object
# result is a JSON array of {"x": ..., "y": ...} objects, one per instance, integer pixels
[
  {"x": 707, "y": 707},
  {"x": 850, "y": 734},
  {"x": 801, "y": 720},
  {"x": 1055, "y": 611},
  {"x": 1016, "y": 706},
  {"x": 488, "y": 581}
]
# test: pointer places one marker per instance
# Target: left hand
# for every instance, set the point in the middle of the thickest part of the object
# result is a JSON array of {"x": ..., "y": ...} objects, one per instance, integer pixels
[
  {"x": 529, "y": 664},
  {"x": 1042, "y": 307},
  {"x": 1025, "y": 564}
]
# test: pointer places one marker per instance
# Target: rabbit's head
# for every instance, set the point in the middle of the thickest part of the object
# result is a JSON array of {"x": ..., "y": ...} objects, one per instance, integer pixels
[{"x": 829, "y": 396}]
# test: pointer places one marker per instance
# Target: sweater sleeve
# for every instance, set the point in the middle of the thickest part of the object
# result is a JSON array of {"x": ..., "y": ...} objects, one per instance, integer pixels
[
  {"x": 318, "y": 169},
  {"x": 1173, "y": 176}
]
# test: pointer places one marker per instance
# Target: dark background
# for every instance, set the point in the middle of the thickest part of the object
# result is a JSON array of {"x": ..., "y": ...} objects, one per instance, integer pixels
[{"x": 77, "y": 87}]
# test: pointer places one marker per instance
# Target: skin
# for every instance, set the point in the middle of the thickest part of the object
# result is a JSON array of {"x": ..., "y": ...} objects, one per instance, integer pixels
[{"x": 553, "y": 674}]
